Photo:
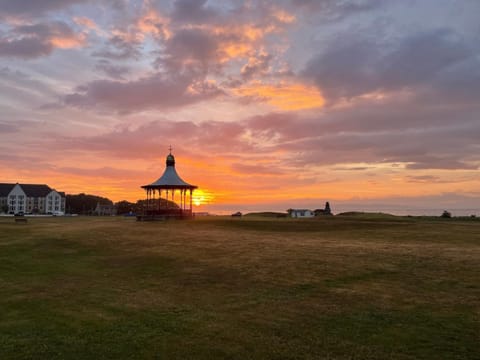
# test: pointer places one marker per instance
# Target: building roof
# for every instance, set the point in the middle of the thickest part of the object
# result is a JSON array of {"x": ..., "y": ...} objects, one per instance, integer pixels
[
  {"x": 170, "y": 178},
  {"x": 5, "y": 189},
  {"x": 30, "y": 190},
  {"x": 34, "y": 190}
]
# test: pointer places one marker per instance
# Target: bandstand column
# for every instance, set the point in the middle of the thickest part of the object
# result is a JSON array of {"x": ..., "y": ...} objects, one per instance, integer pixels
[
  {"x": 191, "y": 201},
  {"x": 148, "y": 197}
]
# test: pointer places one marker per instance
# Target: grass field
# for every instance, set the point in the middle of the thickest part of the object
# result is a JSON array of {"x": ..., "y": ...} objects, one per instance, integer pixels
[{"x": 220, "y": 288}]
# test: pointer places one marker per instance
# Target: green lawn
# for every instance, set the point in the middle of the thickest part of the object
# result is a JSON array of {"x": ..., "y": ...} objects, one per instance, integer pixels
[{"x": 355, "y": 287}]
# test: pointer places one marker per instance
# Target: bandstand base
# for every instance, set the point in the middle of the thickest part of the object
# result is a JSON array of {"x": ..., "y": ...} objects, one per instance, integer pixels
[{"x": 162, "y": 216}]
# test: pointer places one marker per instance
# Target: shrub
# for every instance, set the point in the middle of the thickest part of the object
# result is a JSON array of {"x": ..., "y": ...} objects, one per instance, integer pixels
[{"x": 446, "y": 214}]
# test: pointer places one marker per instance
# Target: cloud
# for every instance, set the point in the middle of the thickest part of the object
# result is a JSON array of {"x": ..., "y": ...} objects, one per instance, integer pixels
[
  {"x": 257, "y": 65},
  {"x": 85, "y": 22},
  {"x": 425, "y": 179},
  {"x": 353, "y": 67},
  {"x": 190, "y": 49},
  {"x": 154, "y": 23},
  {"x": 284, "y": 96},
  {"x": 111, "y": 70},
  {"x": 32, "y": 41},
  {"x": 152, "y": 92},
  {"x": 107, "y": 172},
  {"x": 195, "y": 11},
  {"x": 8, "y": 128},
  {"x": 18, "y": 87},
  {"x": 335, "y": 9},
  {"x": 407, "y": 136},
  {"x": 121, "y": 46},
  {"x": 26, "y": 48},
  {"x": 148, "y": 138},
  {"x": 257, "y": 169},
  {"x": 209, "y": 37},
  {"x": 189, "y": 56},
  {"x": 34, "y": 8}
]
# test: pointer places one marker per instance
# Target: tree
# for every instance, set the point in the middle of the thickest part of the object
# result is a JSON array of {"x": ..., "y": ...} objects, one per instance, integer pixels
[
  {"x": 125, "y": 207},
  {"x": 446, "y": 214},
  {"x": 84, "y": 203}
]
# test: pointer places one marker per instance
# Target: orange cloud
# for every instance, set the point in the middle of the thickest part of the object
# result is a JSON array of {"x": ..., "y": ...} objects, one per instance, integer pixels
[
  {"x": 154, "y": 23},
  {"x": 283, "y": 17},
  {"x": 68, "y": 42},
  {"x": 284, "y": 96},
  {"x": 85, "y": 22}
]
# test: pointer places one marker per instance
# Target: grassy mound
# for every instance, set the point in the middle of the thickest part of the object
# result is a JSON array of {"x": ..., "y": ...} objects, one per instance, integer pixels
[{"x": 267, "y": 214}]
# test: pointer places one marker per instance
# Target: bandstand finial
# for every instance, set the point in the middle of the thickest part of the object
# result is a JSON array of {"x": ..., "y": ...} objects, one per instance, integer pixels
[{"x": 170, "y": 148}]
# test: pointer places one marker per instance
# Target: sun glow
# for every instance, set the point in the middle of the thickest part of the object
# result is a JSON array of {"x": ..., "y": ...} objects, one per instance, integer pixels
[{"x": 202, "y": 197}]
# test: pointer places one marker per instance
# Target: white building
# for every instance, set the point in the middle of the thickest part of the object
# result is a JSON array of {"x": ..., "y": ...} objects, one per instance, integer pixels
[
  {"x": 31, "y": 199},
  {"x": 301, "y": 213}
]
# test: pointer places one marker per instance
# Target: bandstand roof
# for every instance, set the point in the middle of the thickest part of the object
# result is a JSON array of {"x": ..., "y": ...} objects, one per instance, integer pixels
[{"x": 170, "y": 178}]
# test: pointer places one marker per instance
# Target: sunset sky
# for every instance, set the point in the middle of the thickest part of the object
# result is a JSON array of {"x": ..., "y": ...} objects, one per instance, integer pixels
[{"x": 268, "y": 105}]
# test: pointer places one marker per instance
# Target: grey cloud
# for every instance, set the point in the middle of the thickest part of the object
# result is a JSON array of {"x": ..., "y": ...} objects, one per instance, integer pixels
[
  {"x": 194, "y": 11},
  {"x": 153, "y": 92},
  {"x": 45, "y": 30},
  {"x": 335, "y": 9},
  {"x": 34, "y": 8},
  {"x": 33, "y": 41},
  {"x": 190, "y": 50},
  {"x": 117, "y": 48},
  {"x": 26, "y": 48},
  {"x": 459, "y": 83},
  {"x": 352, "y": 67},
  {"x": 112, "y": 70},
  {"x": 421, "y": 58},
  {"x": 8, "y": 128}
]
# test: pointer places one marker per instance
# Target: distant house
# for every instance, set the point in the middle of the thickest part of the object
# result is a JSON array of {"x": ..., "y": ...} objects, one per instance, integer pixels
[
  {"x": 31, "y": 199},
  {"x": 105, "y": 210},
  {"x": 326, "y": 211},
  {"x": 237, "y": 214},
  {"x": 301, "y": 213}
]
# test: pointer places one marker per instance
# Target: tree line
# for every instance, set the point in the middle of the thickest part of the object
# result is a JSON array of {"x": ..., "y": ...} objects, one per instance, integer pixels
[{"x": 85, "y": 204}]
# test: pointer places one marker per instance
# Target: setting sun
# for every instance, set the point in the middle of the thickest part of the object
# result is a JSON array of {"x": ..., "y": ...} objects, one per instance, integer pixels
[{"x": 202, "y": 197}]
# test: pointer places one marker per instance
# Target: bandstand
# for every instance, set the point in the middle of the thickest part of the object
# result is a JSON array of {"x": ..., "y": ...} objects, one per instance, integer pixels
[{"x": 161, "y": 195}]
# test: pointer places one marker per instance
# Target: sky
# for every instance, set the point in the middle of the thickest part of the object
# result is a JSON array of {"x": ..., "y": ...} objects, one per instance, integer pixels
[{"x": 268, "y": 105}]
